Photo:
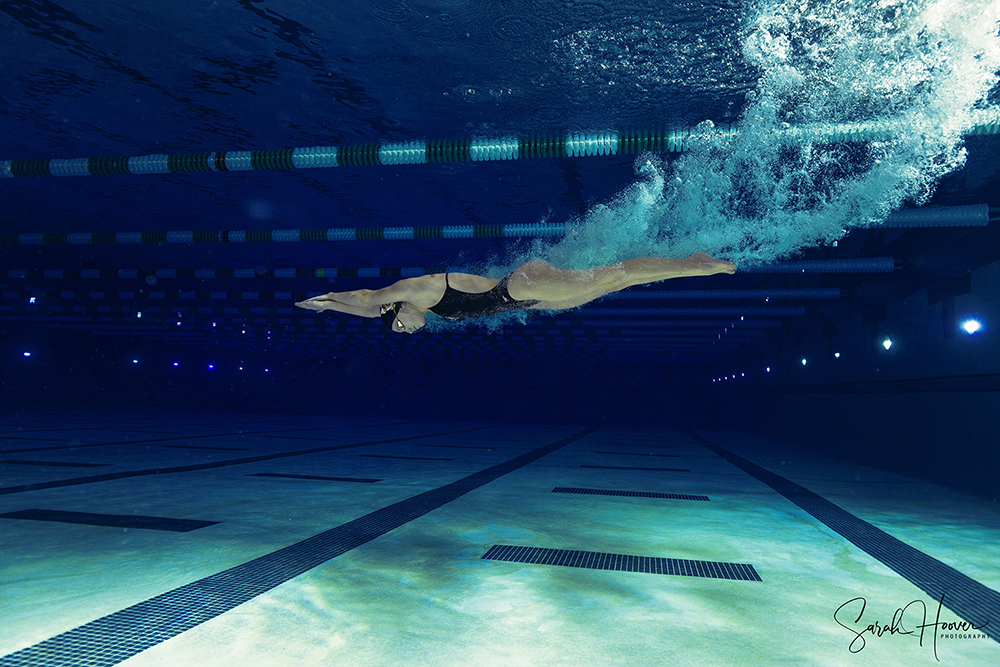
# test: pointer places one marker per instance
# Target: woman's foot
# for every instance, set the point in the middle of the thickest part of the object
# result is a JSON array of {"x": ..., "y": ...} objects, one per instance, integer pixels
[{"x": 706, "y": 265}]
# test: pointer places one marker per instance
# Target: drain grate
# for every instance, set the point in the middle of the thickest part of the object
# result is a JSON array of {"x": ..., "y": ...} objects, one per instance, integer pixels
[
  {"x": 321, "y": 478},
  {"x": 672, "y": 456},
  {"x": 408, "y": 458},
  {"x": 644, "y": 445},
  {"x": 212, "y": 449},
  {"x": 639, "y": 445},
  {"x": 461, "y": 447},
  {"x": 630, "y": 494},
  {"x": 637, "y": 468},
  {"x": 593, "y": 560}
]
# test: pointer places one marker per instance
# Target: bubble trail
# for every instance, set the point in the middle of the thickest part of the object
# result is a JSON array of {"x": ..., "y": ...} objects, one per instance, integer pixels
[{"x": 925, "y": 65}]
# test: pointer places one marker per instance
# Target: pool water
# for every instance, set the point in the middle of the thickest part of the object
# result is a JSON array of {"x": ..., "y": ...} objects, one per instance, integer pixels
[{"x": 796, "y": 463}]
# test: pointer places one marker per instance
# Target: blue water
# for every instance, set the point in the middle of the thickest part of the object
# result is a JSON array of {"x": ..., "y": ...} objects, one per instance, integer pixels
[
  {"x": 247, "y": 75},
  {"x": 340, "y": 485},
  {"x": 137, "y": 78},
  {"x": 923, "y": 68}
]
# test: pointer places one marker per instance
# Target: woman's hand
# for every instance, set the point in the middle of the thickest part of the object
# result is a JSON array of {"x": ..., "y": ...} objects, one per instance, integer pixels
[
  {"x": 330, "y": 300},
  {"x": 338, "y": 301},
  {"x": 317, "y": 303}
]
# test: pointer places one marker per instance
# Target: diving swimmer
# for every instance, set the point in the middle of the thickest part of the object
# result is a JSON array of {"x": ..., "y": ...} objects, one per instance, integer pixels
[{"x": 536, "y": 285}]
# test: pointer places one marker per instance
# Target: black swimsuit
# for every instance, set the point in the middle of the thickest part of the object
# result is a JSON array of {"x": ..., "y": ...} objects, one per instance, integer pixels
[{"x": 456, "y": 305}]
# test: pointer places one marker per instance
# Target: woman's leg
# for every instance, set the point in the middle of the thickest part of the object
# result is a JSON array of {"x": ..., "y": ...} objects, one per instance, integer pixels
[
  {"x": 542, "y": 281},
  {"x": 653, "y": 269}
]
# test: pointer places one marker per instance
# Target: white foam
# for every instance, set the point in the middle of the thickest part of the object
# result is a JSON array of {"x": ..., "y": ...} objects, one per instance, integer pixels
[{"x": 923, "y": 66}]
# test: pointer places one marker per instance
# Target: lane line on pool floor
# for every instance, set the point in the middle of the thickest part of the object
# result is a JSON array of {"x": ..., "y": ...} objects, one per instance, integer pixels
[
  {"x": 966, "y": 597},
  {"x": 91, "y": 479},
  {"x": 125, "y": 633}
]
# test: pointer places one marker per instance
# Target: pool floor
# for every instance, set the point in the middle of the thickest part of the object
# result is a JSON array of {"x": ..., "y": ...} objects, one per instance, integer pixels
[{"x": 155, "y": 538}]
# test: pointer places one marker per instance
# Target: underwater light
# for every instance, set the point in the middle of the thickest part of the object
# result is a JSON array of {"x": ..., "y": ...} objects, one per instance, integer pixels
[
  {"x": 211, "y": 366},
  {"x": 139, "y": 314},
  {"x": 768, "y": 369},
  {"x": 27, "y": 354},
  {"x": 135, "y": 361},
  {"x": 971, "y": 326},
  {"x": 803, "y": 361},
  {"x": 836, "y": 355},
  {"x": 31, "y": 300},
  {"x": 176, "y": 364},
  {"x": 887, "y": 343}
]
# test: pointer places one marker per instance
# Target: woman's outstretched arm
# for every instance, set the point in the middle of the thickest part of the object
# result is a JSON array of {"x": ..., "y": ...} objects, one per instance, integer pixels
[
  {"x": 330, "y": 302},
  {"x": 422, "y": 291}
]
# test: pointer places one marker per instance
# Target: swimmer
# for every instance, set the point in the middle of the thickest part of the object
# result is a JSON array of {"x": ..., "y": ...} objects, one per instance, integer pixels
[{"x": 536, "y": 285}]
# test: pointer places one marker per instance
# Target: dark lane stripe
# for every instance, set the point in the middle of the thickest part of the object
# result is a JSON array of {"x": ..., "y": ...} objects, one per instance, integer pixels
[
  {"x": 56, "y": 464},
  {"x": 119, "y": 636},
  {"x": 181, "y": 437},
  {"x": 214, "y": 464},
  {"x": 7, "y": 437},
  {"x": 119, "y": 426},
  {"x": 965, "y": 596},
  {"x": 146, "y": 442},
  {"x": 697, "y": 437},
  {"x": 111, "y": 520}
]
